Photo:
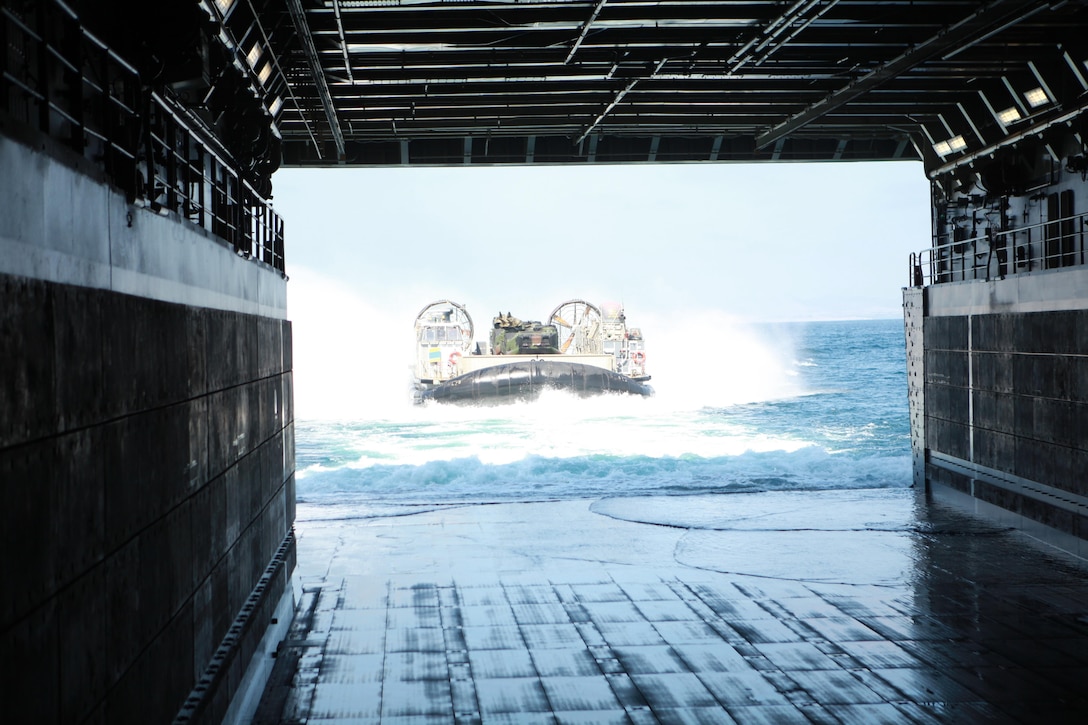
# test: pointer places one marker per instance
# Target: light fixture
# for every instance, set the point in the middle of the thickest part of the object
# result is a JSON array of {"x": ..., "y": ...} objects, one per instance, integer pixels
[
  {"x": 1009, "y": 115},
  {"x": 276, "y": 106},
  {"x": 1036, "y": 97},
  {"x": 254, "y": 55},
  {"x": 224, "y": 6},
  {"x": 951, "y": 146},
  {"x": 265, "y": 72}
]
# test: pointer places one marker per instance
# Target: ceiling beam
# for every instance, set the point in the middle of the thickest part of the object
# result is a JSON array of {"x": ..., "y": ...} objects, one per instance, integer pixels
[
  {"x": 343, "y": 40},
  {"x": 771, "y": 32},
  {"x": 298, "y": 17},
  {"x": 585, "y": 30},
  {"x": 979, "y": 23},
  {"x": 616, "y": 101}
]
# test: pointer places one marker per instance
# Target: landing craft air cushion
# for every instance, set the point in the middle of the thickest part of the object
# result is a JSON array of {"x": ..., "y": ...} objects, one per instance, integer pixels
[{"x": 583, "y": 349}]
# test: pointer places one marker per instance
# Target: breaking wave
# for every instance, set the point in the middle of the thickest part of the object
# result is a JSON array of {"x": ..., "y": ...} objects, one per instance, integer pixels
[{"x": 812, "y": 406}]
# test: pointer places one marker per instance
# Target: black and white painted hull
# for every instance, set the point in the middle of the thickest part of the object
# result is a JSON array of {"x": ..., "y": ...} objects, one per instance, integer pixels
[{"x": 525, "y": 379}]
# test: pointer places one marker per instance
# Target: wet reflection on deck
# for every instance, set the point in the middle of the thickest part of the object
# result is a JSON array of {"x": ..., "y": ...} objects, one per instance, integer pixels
[{"x": 856, "y": 606}]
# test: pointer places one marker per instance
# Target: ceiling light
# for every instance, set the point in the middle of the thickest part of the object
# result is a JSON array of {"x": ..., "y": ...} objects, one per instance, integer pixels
[
  {"x": 1036, "y": 97},
  {"x": 951, "y": 146},
  {"x": 265, "y": 72},
  {"x": 254, "y": 55},
  {"x": 224, "y": 6},
  {"x": 1009, "y": 115},
  {"x": 276, "y": 106}
]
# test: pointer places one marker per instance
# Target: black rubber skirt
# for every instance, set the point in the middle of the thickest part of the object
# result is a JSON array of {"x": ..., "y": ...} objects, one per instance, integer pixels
[{"x": 526, "y": 379}]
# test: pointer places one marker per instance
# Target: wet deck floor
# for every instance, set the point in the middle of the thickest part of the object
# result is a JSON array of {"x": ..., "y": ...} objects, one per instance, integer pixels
[{"x": 827, "y": 607}]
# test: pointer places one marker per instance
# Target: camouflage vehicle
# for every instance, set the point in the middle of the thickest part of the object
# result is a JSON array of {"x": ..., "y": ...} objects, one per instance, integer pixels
[
  {"x": 583, "y": 349},
  {"x": 511, "y": 336}
]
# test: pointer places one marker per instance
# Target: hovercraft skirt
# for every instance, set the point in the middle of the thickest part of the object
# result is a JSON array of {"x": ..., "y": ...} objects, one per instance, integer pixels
[{"x": 526, "y": 379}]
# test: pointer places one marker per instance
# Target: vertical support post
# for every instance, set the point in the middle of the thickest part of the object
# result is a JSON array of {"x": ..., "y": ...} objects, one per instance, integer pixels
[{"x": 914, "y": 310}]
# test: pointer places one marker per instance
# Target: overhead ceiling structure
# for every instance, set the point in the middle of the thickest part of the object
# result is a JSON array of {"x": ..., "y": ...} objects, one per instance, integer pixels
[{"x": 393, "y": 82}]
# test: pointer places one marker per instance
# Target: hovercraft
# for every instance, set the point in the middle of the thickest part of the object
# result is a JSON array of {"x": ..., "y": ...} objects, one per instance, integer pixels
[{"x": 582, "y": 349}]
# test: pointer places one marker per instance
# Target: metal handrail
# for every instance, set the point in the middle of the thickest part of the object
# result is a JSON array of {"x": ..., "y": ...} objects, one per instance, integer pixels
[
  {"x": 1050, "y": 244},
  {"x": 59, "y": 79}
]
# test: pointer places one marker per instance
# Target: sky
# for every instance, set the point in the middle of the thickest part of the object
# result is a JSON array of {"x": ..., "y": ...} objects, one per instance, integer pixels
[{"x": 707, "y": 244}]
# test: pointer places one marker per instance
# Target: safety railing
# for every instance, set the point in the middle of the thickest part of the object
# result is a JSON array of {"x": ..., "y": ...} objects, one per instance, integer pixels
[
  {"x": 1051, "y": 244},
  {"x": 59, "y": 80},
  {"x": 193, "y": 179}
]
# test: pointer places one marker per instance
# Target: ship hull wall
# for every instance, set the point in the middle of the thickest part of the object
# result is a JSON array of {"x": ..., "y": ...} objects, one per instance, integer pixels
[
  {"x": 146, "y": 454},
  {"x": 999, "y": 399}
]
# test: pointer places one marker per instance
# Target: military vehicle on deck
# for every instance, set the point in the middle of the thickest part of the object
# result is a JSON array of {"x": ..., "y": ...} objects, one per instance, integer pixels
[{"x": 582, "y": 348}]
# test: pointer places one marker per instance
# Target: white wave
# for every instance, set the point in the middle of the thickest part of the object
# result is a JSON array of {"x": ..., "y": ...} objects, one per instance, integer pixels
[
  {"x": 535, "y": 477},
  {"x": 736, "y": 409},
  {"x": 362, "y": 370},
  {"x": 557, "y": 426},
  {"x": 708, "y": 358}
]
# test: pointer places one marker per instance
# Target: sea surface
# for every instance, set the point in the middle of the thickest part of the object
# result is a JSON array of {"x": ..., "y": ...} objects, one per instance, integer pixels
[{"x": 783, "y": 407}]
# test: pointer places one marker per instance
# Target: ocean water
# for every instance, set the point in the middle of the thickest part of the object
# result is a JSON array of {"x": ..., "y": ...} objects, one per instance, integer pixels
[{"x": 750, "y": 408}]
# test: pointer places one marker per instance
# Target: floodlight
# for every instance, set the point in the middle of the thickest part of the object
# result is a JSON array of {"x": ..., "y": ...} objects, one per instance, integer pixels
[
  {"x": 951, "y": 146},
  {"x": 1010, "y": 114},
  {"x": 1036, "y": 97}
]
